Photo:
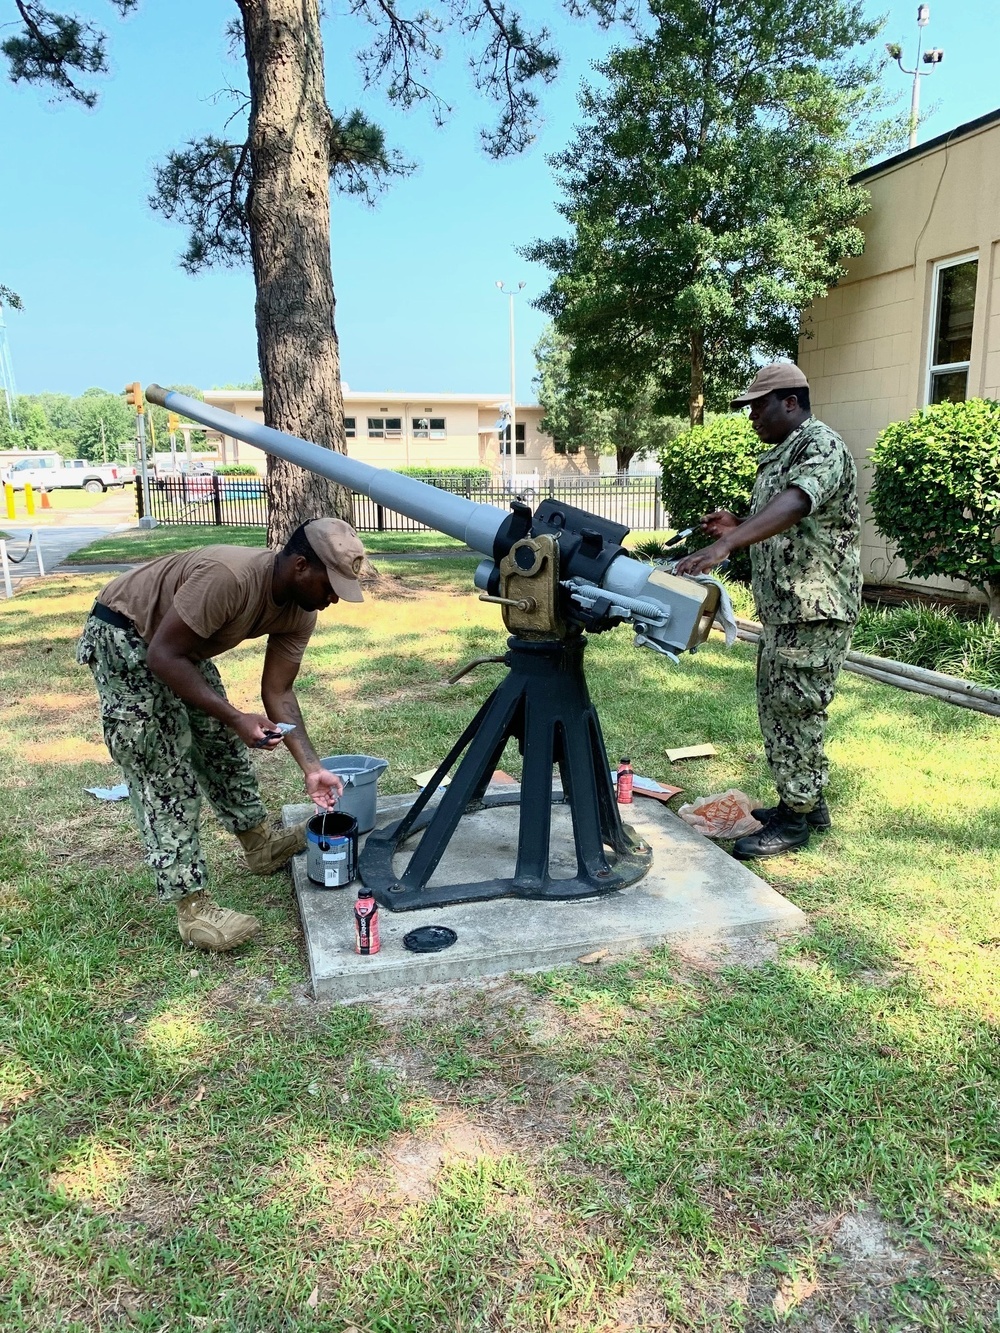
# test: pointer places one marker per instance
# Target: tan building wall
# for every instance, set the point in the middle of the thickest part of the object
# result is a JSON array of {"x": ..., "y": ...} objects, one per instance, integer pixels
[
  {"x": 868, "y": 358},
  {"x": 470, "y": 437}
]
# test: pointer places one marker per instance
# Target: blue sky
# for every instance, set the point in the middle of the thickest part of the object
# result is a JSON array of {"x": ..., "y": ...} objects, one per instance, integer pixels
[{"x": 417, "y": 309}]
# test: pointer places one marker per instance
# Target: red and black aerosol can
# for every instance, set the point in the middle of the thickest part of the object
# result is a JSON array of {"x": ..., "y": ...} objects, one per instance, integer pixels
[
  {"x": 624, "y": 781},
  {"x": 366, "y": 923}
]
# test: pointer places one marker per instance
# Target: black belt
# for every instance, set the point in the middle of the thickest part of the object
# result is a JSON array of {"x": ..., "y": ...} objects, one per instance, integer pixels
[{"x": 101, "y": 612}]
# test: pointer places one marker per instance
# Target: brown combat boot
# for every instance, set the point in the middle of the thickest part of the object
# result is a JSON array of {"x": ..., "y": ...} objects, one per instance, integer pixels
[
  {"x": 207, "y": 926},
  {"x": 267, "y": 851}
]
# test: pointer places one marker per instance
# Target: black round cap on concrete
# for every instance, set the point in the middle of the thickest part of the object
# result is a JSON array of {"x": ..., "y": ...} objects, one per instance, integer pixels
[{"x": 429, "y": 939}]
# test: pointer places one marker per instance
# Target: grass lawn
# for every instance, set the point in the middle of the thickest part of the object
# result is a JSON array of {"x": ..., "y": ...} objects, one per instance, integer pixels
[
  {"x": 145, "y": 544},
  {"x": 803, "y": 1137},
  {"x": 73, "y": 500}
]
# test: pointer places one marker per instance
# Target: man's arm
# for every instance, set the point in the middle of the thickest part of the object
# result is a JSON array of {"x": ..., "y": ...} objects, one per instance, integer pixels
[
  {"x": 778, "y": 515},
  {"x": 171, "y": 656},
  {"x": 278, "y": 697}
]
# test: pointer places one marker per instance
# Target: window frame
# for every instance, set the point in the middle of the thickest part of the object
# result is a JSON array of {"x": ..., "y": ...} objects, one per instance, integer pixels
[
  {"x": 384, "y": 432},
  {"x": 430, "y": 432},
  {"x": 520, "y": 438},
  {"x": 350, "y": 431},
  {"x": 933, "y": 368}
]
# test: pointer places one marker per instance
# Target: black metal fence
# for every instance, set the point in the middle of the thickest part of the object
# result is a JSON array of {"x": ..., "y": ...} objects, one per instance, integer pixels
[{"x": 211, "y": 500}]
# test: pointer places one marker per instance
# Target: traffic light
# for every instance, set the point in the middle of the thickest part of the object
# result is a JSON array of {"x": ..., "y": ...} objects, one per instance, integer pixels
[
  {"x": 134, "y": 398},
  {"x": 173, "y": 421}
]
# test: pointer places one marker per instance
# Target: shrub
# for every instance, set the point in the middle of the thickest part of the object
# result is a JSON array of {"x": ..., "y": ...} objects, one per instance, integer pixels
[
  {"x": 236, "y": 470},
  {"x": 462, "y": 476},
  {"x": 936, "y": 492},
  {"x": 711, "y": 467}
]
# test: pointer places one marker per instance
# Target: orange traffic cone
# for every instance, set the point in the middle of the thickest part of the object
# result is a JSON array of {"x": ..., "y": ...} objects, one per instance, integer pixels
[{"x": 46, "y": 502}]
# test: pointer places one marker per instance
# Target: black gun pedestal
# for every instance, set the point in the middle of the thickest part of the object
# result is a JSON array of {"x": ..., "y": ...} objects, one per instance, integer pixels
[{"x": 543, "y": 702}]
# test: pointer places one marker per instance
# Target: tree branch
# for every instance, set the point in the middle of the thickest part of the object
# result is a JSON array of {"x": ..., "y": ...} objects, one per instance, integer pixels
[{"x": 50, "y": 45}]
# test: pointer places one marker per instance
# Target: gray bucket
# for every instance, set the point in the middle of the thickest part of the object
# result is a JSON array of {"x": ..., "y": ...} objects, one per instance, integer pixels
[{"x": 359, "y": 774}]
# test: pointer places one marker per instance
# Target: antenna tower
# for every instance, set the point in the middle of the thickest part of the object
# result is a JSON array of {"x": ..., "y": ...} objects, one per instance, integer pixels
[{"x": 7, "y": 387}]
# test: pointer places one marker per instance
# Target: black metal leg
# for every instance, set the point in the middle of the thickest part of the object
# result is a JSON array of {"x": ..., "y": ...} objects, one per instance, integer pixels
[
  {"x": 536, "y": 797},
  {"x": 544, "y": 703},
  {"x": 479, "y": 758}
]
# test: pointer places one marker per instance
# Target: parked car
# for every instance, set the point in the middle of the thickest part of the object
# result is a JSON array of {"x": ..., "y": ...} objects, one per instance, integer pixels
[{"x": 53, "y": 473}]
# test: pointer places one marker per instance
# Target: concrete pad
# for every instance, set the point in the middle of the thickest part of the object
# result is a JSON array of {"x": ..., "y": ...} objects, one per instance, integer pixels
[{"x": 694, "y": 893}]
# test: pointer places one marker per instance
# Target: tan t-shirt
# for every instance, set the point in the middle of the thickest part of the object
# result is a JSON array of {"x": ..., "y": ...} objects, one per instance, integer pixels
[{"x": 223, "y": 593}]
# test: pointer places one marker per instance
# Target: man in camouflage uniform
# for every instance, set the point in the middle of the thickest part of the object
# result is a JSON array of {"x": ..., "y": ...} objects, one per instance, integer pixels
[
  {"x": 803, "y": 534},
  {"x": 149, "y": 642}
]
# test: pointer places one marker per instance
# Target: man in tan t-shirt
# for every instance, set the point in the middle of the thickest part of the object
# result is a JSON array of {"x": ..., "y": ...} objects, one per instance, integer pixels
[{"x": 149, "y": 642}]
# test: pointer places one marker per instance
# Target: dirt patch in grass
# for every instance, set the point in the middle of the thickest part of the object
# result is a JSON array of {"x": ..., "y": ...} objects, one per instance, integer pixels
[
  {"x": 68, "y": 750},
  {"x": 386, "y": 587}
]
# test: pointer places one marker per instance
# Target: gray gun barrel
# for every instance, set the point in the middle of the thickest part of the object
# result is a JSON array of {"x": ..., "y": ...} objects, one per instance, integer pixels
[
  {"x": 466, "y": 520},
  {"x": 685, "y": 610}
]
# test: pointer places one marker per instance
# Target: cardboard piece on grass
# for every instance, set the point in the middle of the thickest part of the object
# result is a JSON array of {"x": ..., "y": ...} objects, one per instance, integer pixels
[{"x": 691, "y": 752}]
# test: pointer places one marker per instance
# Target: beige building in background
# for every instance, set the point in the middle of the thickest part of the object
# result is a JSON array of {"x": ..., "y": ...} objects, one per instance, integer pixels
[
  {"x": 397, "y": 430},
  {"x": 917, "y": 318}
]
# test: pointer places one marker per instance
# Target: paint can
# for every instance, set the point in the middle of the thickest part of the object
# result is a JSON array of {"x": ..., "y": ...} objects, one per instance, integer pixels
[{"x": 332, "y": 849}]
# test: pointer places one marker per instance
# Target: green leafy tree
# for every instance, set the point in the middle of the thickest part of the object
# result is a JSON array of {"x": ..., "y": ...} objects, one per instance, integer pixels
[
  {"x": 709, "y": 467},
  {"x": 59, "y": 410},
  {"x": 936, "y": 493},
  {"x": 31, "y": 428},
  {"x": 707, "y": 194},
  {"x": 105, "y": 426},
  {"x": 263, "y": 195},
  {"x": 578, "y": 416}
]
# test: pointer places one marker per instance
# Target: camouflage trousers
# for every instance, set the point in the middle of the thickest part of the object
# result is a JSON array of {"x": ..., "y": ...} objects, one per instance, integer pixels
[
  {"x": 797, "y": 670},
  {"x": 170, "y": 753}
]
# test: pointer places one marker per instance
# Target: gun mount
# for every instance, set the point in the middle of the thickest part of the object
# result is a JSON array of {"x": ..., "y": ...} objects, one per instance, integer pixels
[{"x": 557, "y": 573}]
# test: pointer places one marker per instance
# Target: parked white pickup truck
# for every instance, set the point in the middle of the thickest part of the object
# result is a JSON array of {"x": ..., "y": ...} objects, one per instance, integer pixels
[{"x": 54, "y": 473}]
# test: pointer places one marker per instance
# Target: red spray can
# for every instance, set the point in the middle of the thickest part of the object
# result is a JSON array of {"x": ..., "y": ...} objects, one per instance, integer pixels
[
  {"x": 366, "y": 923},
  {"x": 625, "y": 782}
]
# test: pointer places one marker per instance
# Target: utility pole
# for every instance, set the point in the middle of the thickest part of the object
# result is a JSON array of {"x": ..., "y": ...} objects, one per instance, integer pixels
[
  {"x": 512, "y": 425},
  {"x": 932, "y": 57},
  {"x": 134, "y": 398}
]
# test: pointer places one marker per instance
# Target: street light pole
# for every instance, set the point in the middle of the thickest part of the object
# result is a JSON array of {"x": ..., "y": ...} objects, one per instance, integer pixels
[
  {"x": 512, "y": 425},
  {"x": 932, "y": 57}
]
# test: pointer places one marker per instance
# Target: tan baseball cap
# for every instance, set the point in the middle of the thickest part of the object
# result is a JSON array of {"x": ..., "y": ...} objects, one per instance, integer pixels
[
  {"x": 778, "y": 375},
  {"x": 339, "y": 547}
]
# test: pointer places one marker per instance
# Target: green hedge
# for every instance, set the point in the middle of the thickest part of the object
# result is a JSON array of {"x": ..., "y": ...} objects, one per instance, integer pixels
[
  {"x": 465, "y": 476},
  {"x": 711, "y": 467},
  {"x": 236, "y": 470}
]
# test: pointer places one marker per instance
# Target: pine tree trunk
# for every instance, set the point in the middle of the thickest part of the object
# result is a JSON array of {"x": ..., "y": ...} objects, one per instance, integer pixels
[
  {"x": 697, "y": 406},
  {"x": 289, "y": 217}
]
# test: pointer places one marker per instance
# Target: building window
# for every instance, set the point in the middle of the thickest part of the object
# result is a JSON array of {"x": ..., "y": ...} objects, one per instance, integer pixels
[
  {"x": 518, "y": 439},
  {"x": 951, "y": 330},
  {"x": 429, "y": 428},
  {"x": 385, "y": 428},
  {"x": 351, "y": 427}
]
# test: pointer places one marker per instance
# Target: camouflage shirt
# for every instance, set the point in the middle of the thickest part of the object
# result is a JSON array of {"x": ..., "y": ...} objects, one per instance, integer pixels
[{"x": 812, "y": 571}]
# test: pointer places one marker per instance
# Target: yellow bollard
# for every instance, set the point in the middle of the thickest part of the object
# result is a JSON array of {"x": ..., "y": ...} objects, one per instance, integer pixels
[
  {"x": 29, "y": 499},
  {"x": 8, "y": 499}
]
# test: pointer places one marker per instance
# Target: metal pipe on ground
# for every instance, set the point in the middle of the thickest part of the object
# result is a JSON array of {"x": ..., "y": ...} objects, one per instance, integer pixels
[{"x": 918, "y": 680}]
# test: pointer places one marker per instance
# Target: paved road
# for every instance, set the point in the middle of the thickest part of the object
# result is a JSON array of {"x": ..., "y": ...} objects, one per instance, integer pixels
[{"x": 56, "y": 544}]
